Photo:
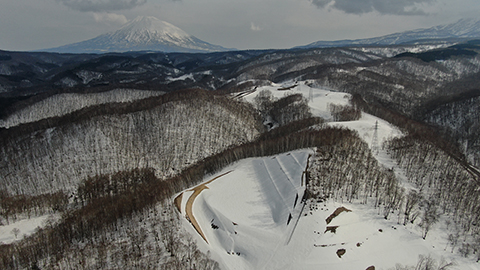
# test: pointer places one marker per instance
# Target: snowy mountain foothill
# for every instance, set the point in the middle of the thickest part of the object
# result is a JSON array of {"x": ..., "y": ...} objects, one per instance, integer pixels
[{"x": 352, "y": 203}]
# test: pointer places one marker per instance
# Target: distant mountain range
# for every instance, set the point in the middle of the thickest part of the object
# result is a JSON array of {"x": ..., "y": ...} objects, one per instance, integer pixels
[
  {"x": 141, "y": 34},
  {"x": 147, "y": 33},
  {"x": 461, "y": 30}
]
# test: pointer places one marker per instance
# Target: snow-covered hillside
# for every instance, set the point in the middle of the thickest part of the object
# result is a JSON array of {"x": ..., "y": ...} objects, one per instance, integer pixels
[
  {"x": 249, "y": 218},
  {"x": 249, "y": 214},
  {"x": 61, "y": 104},
  {"x": 122, "y": 138}
]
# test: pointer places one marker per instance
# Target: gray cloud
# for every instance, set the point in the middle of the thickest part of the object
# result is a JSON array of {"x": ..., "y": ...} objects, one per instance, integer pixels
[
  {"x": 101, "y": 5},
  {"x": 110, "y": 18},
  {"x": 393, "y": 7}
]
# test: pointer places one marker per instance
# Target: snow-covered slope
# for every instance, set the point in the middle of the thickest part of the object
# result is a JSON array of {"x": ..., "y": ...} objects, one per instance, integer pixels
[
  {"x": 249, "y": 213},
  {"x": 144, "y": 33},
  {"x": 61, "y": 104},
  {"x": 462, "y": 29}
]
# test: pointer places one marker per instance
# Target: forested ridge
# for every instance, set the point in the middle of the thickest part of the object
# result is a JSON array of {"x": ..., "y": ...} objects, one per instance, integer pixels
[
  {"x": 101, "y": 185},
  {"x": 166, "y": 132}
]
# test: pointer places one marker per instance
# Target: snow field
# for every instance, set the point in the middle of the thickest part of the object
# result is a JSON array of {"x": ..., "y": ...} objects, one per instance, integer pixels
[
  {"x": 244, "y": 214},
  {"x": 25, "y": 227},
  {"x": 319, "y": 100}
]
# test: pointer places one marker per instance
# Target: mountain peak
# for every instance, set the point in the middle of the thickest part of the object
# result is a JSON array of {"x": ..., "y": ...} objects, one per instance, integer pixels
[
  {"x": 148, "y": 29},
  {"x": 153, "y": 26},
  {"x": 144, "y": 33}
]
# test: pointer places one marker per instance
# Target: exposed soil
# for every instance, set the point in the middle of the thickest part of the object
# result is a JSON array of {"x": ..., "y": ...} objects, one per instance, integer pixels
[
  {"x": 332, "y": 229},
  {"x": 178, "y": 202},
  {"x": 337, "y": 212},
  {"x": 188, "y": 208}
]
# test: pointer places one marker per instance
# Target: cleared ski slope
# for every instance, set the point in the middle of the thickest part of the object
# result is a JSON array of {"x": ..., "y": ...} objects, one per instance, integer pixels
[{"x": 247, "y": 215}]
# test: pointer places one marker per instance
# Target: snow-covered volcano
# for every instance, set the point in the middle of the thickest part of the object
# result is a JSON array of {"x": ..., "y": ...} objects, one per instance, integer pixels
[{"x": 144, "y": 33}]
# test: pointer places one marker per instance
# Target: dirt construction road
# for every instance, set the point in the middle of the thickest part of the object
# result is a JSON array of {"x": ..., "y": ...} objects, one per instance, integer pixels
[{"x": 189, "y": 205}]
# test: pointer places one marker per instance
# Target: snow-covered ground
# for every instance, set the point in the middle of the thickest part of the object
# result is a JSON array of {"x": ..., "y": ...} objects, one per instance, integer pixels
[
  {"x": 318, "y": 101},
  {"x": 243, "y": 214},
  {"x": 249, "y": 214},
  {"x": 23, "y": 227}
]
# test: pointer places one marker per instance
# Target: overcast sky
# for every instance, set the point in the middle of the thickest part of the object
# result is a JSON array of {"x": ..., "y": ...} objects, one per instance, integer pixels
[{"x": 242, "y": 24}]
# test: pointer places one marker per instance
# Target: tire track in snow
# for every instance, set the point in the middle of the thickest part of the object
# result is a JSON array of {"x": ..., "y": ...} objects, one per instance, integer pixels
[
  {"x": 270, "y": 176},
  {"x": 282, "y": 167},
  {"x": 291, "y": 203}
]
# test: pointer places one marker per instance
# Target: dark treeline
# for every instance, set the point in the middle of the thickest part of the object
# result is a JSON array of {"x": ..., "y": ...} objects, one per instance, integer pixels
[
  {"x": 279, "y": 112},
  {"x": 99, "y": 186},
  {"x": 439, "y": 54},
  {"x": 289, "y": 108},
  {"x": 292, "y": 127},
  {"x": 344, "y": 112},
  {"x": 459, "y": 118},
  {"x": 105, "y": 208},
  {"x": 13, "y": 205},
  {"x": 16, "y": 103}
]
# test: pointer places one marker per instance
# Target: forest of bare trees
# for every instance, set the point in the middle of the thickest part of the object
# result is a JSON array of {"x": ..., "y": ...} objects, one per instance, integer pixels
[
  {"x": 121, "y": 194},
  {"x": 443, "y": 187},
  {"x": 279, "y": 112},
  {"x": 166, "y": 133},
  {"x": 347, "y": 172}
]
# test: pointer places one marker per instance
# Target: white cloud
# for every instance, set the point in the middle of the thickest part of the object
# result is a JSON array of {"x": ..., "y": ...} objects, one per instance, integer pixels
[
  {"x": 394, "y": 7},
  {"x": 254, "y": 27},
  {"x": 109, "y": 18},
  {"x": 101, "y": 5}
]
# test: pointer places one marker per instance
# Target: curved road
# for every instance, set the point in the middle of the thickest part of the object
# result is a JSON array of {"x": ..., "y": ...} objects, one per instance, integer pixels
[{"x": 188, "y": 208}]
